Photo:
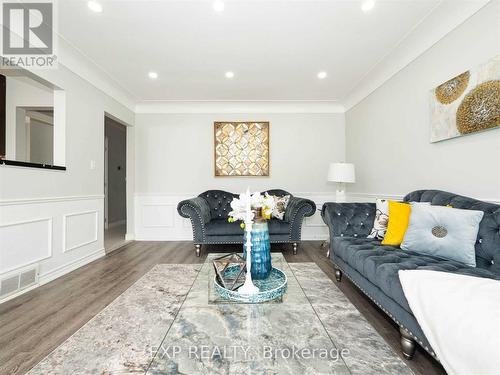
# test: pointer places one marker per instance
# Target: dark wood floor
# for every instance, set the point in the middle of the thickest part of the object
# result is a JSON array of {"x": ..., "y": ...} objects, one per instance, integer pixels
[{"x": 34, "y": 324}]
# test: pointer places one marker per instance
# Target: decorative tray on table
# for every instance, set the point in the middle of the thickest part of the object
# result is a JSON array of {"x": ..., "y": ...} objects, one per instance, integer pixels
[{"x": 272, "y": 288}]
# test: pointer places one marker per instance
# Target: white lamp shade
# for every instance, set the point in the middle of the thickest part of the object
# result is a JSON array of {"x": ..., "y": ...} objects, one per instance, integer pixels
[{"x": 341, "y": 172}]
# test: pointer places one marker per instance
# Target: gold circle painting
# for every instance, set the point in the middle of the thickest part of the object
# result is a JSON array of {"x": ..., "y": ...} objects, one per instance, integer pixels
[
  {"x": 451, "y": 90},
  {"x": 480, "y": 108}
]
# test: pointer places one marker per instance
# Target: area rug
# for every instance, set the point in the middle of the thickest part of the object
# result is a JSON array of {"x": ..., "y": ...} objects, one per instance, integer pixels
[
  {"x": 120, "y": 339},
  {"x": 167, "y": 310}
]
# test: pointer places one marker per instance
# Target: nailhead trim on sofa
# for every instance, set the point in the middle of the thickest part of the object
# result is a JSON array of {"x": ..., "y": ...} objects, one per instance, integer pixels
[
  {"x": 390, "y": 315},
  {"x": 192, "y": 221}
]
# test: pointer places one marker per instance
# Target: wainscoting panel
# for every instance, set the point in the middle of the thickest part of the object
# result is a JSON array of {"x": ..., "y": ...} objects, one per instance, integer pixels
[
  {"x": 24, "y": 243},
  {"x": 158, "y": 215},
  {"x": 80, "y": 229},
  {"x": 55, "y": 235},
  {"x": 157, "y": 218}
]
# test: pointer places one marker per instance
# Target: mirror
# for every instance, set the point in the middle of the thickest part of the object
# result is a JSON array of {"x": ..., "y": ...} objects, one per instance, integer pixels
[{"x": 27, "y": 120}]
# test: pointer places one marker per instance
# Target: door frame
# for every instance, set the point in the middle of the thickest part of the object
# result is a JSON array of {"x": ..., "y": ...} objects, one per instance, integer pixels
[
  {"x": 106, "y": 181},
  {"x": 129, "y": 177}
]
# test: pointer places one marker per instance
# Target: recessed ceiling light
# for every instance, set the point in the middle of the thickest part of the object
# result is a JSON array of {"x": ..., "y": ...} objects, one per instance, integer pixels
[
  {"x": 218, "y": 6},
  {"x": 95, "y": 6},
  {"x": 322, "y": 75},
  {"x": 153, "y": 75},
  {"x": 367, "y": 5},
  {"x": 229, "y": 75}
]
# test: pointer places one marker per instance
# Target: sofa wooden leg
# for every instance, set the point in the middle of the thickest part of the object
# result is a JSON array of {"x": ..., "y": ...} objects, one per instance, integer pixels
[
  {"x": 198, "y": 250},
  {"x": 295, "y": 248},
  {"x": 326, "y": 245},
  {"x": 408, "y": 344},
  {"x": 338, "y": 275}
]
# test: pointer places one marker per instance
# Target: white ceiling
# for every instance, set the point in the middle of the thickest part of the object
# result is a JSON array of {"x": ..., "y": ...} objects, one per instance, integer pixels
[{"x": 275, "y": 48}]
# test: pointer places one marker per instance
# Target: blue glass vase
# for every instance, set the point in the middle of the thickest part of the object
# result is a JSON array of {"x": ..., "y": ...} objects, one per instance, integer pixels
[{"x": 261, "y": 250}]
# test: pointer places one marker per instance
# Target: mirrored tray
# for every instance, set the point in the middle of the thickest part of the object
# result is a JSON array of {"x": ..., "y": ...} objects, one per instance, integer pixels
[{"x": 272, "y": 288}]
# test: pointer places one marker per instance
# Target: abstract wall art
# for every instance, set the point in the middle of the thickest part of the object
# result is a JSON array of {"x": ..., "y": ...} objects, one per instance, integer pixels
[
  {"x": 467, "y": 103},
  {"x": 241, "y": 148}
]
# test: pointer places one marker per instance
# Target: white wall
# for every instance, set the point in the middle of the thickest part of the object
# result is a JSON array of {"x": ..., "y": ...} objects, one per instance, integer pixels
[
  {"x": 54, "y": 219},
  {"x": 174, "y": 161},
  {"x": 388, "y": 132}
]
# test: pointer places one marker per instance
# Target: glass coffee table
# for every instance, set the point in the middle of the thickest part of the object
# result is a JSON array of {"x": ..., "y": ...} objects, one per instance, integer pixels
[{"x": 216, "y": 336}]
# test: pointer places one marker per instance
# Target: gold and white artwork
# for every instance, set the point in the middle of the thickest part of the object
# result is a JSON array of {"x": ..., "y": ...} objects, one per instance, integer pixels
[
  {"x": 467, "y": 103},
  {"x": 241, "y": 148}
]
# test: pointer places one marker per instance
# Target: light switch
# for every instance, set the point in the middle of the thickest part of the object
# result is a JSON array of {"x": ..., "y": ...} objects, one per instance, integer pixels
[{"x": 92, "y": 164}]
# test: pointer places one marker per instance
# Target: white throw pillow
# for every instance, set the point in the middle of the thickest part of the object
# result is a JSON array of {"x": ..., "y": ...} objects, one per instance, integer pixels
[
  {"x": 280, "y": 205},
  {"x": 381, "y": 220},
  {"x": 444, "y": 232}
]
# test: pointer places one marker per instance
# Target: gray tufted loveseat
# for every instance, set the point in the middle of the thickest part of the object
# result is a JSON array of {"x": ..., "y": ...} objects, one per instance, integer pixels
[
  {"x": 208, "y": 213},
  {"x": 374, "y": 268}
]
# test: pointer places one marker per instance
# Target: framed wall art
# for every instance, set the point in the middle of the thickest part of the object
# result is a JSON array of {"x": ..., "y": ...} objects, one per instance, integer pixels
[
  {"x": 467, "y": 103},
  {"x": 241, "y": 148}
]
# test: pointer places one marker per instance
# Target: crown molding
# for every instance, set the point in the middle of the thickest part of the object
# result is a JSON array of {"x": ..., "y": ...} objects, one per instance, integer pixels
[
  {"x": 440, "y": 21},
  {"x": 239, "y": 106},
  {"x": 83, "y": 66}
]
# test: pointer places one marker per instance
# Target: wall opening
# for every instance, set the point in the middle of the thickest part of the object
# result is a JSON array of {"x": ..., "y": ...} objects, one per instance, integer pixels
[{"x": 115, "y": 184}]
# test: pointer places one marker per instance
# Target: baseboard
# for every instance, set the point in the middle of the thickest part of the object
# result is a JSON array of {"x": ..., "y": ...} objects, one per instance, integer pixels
[
  {"x": 129, "y": 237},
  {"x": 317, "y": 237},
  {"x": 117, "y": 246},
  {"x": 159, "y": 238},
  {"x": 64, "y": 269},
  {"x": 305, "y": 237},
  {"x": 17, "y": 294},
  {"x": 58, "y": 272}
]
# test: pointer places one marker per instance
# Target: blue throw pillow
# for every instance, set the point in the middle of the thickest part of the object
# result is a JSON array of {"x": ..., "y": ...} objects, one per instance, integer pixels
[{"x": 443, "y": 232}]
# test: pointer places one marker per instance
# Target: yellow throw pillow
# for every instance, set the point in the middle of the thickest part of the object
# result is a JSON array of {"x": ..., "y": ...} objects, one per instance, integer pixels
[{"x": 399, "y": 217}]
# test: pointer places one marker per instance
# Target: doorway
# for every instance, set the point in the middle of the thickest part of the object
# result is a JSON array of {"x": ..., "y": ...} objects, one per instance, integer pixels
[{"x": 115, "y": 184}]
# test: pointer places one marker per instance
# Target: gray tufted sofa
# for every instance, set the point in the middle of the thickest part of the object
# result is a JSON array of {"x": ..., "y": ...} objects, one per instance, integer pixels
[
  {"x": 209, "y": 212},
  {"x": 374, "y": 268}
]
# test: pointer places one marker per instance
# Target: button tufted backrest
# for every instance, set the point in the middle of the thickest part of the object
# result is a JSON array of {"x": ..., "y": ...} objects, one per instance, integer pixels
[
  {"x": 219, "y": 202},
  {"x": 488, "y": 238}
]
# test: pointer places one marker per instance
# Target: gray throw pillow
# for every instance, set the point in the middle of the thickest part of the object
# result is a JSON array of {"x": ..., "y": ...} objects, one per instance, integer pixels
[{"x": 444, "y": 232}]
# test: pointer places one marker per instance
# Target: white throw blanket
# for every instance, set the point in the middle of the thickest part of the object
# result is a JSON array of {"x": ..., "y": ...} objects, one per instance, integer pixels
[{"x": 460, "y": 316}]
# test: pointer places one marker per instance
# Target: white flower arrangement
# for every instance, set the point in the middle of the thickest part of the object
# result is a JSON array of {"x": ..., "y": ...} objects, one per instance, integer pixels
[{"x": 240, "y": 206}]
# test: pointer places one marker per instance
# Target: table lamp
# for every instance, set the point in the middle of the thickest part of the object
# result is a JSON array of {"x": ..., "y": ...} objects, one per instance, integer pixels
[{"x": 341, "y": 173}]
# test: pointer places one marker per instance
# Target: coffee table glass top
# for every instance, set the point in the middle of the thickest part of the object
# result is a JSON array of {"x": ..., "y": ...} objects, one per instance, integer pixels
[{"x": 220, "y": 337}]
